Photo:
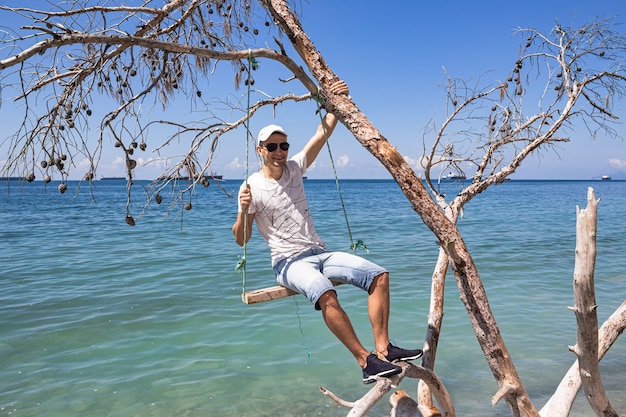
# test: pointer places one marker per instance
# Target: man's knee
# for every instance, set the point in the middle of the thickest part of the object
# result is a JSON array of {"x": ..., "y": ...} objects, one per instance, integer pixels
[
  {"x": 326, "y": 299},
  {"x": 380, "y": 281}
]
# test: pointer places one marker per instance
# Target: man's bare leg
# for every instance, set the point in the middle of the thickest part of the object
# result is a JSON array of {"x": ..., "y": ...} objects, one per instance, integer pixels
[
  {"x": 378, "y": 311},
  {"x": 339, "y": 324}
]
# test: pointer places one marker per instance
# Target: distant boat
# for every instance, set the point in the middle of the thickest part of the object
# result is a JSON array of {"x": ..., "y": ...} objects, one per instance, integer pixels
[
  {"x": 453, "y": 176},
  {"x": 12, "y": 178},
  {"x": 215, "y": 176},
  {"x": 112, "y": 178},
  {"x": 606, "y": 178}
]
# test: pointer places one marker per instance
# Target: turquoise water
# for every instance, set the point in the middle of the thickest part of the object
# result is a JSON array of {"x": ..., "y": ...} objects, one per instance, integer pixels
[{"x": 102, "y": 319}]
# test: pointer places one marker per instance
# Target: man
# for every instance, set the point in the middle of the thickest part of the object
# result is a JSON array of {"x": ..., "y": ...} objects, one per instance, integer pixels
[{"x": 275, "y": 198}]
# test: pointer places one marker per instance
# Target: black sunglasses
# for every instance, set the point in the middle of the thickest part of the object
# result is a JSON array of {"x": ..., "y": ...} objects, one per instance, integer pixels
[{"x": 271, "y": 147}]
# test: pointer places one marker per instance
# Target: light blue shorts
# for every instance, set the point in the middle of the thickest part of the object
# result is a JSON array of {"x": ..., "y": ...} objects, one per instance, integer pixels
[{"x": 310, "y": 273}]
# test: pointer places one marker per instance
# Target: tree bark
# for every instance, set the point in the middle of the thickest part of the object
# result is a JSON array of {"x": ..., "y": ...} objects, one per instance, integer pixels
[{"x": 585, "y": 308}]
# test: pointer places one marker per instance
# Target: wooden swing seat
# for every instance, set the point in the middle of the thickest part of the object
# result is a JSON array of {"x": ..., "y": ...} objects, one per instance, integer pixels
[{"x": 270, "y": 293}]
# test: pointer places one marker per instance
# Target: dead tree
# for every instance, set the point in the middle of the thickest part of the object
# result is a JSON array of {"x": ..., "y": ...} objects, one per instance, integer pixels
[
  {"x": 144, "y": 56},
  {"x": 490, "y": 151},
  {"x": 586, "y": 348}
]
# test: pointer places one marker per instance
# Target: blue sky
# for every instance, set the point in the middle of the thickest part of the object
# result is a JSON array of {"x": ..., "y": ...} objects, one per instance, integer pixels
[{"x": 392, "y": 57}]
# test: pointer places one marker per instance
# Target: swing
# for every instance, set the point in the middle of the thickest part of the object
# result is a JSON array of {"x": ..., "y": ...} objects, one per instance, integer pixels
[
  {"x": 278, "y": 291},
  {"x": 271, "y": 293}
]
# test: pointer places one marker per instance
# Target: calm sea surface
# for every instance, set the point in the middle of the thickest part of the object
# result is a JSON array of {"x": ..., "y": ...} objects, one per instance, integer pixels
[{"x": 101, "y": 319}]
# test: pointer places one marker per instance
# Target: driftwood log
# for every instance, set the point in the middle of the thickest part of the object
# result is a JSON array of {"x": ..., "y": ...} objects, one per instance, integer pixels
[
  {"x": 592, "y": 344},
  {"x": 585, "y": 308},
  {"x": 363, "y": 405}
]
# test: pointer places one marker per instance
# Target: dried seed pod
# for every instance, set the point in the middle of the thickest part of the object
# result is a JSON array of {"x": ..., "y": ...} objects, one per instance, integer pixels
[
  {"x": 89, "y": 176},
  {"x": 30, "y": 177},
  {"x": 204, "y": 181},
  {"x": 47, "y": 179},
  {"x": 62, "y": 188},
  {"x": 132, "y": 164},
  {"x": 129, "y": 220},
  {"x": 188, "y": 206},
  {"x": 142, "y": 146},
  {"x": 158, "y": 198},
  {"x": 44, "y": 164}
]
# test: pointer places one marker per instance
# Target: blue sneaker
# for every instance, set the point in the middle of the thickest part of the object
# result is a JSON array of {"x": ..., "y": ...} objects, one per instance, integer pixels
[
  {"x": 395, "y": 353},
  {"x": 376, "y": 367}
]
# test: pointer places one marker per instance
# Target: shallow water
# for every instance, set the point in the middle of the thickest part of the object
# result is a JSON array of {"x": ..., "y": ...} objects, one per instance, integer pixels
[{"x": 99, "y": 318}]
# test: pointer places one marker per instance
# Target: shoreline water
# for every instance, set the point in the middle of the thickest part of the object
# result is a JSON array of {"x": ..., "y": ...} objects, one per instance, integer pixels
[{"x": 101, "y": 318}]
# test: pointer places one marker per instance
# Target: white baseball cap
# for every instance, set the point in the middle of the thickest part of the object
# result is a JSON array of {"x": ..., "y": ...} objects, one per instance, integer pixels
[{"x": 267, "y": 131}]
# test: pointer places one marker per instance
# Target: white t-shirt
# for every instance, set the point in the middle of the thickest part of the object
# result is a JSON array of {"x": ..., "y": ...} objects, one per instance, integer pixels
[{"x": 282, "y": 212}]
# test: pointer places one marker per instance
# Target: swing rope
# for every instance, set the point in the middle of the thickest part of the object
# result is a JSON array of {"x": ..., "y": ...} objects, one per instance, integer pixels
[
  {"x": 241, "y": 265},
  {"x": 319, "y": 98}
]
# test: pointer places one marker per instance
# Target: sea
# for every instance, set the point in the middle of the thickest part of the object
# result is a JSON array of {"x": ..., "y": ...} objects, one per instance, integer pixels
[{"x": 98, "y": 318}]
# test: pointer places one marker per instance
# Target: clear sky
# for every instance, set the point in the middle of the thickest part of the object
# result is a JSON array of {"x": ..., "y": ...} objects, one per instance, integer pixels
[{"x": 392, "y": 55}]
